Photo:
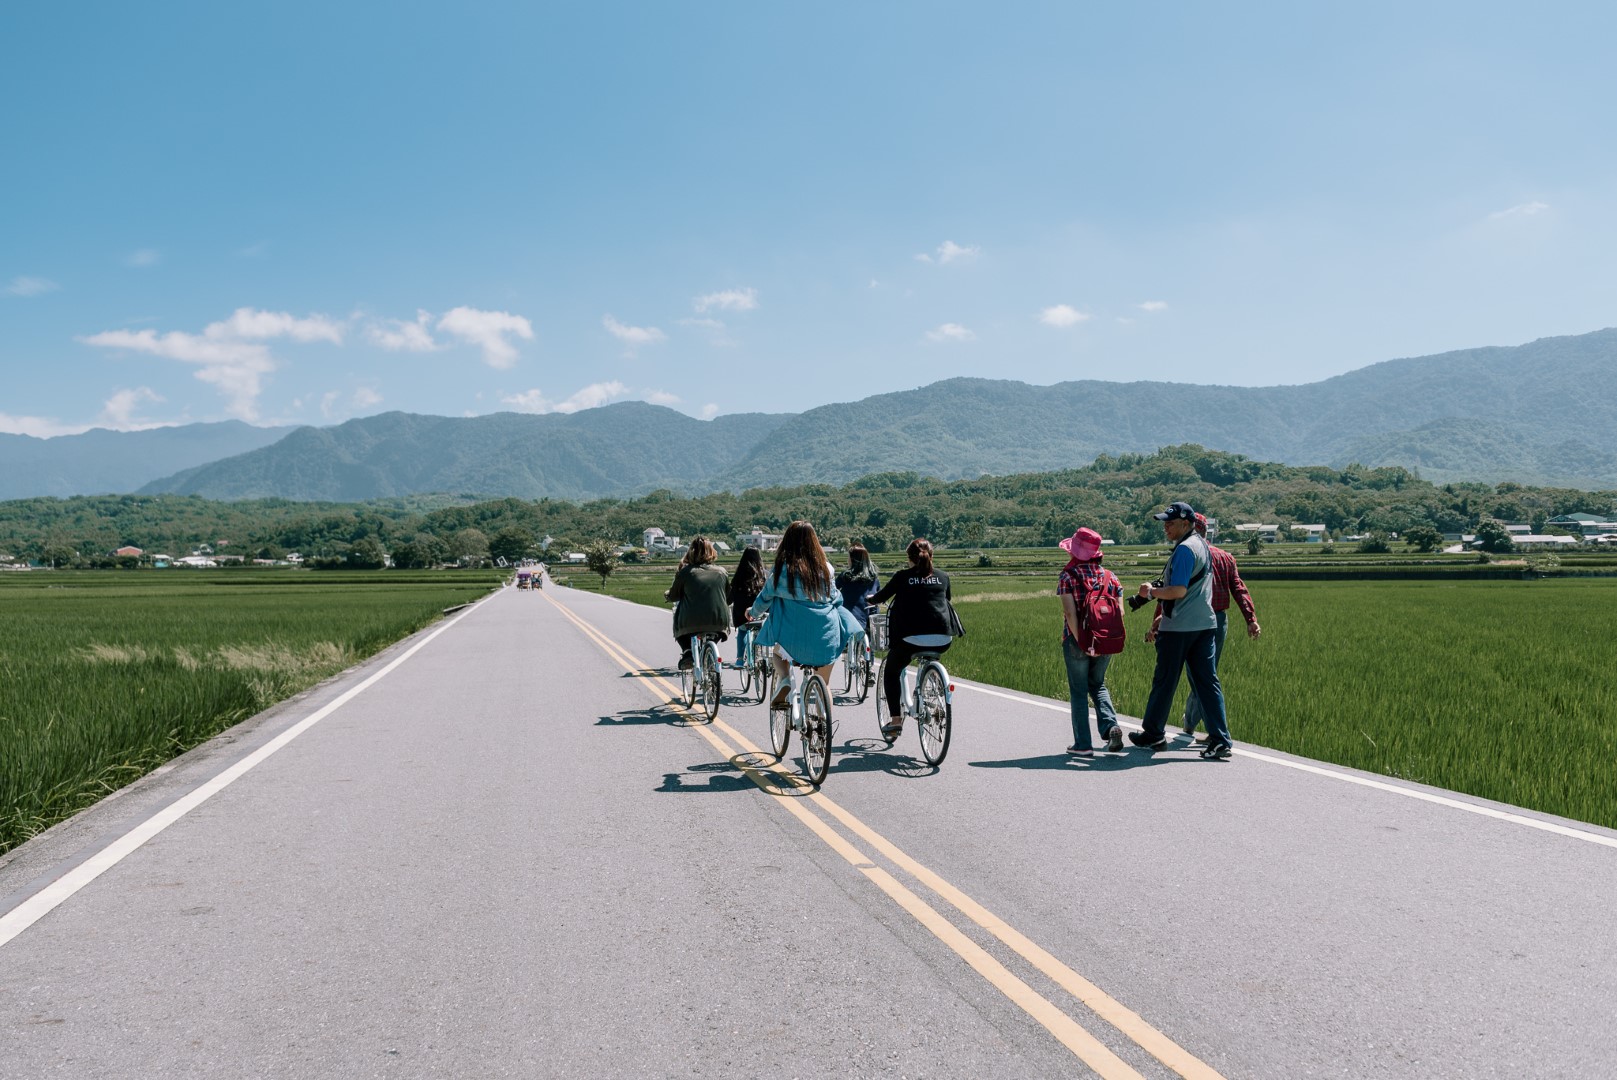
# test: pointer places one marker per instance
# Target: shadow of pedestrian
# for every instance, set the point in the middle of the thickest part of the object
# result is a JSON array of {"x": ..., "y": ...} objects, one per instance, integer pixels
[{"x": 1101, "y": 762}]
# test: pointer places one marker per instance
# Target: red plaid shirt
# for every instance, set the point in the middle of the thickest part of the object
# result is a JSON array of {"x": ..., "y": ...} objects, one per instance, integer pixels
[
  {"x": 1079, "y": 579},
  {"x": 1227, "y": 582}
]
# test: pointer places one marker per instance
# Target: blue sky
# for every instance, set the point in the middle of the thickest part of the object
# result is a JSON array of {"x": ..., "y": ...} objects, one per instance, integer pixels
[{"x": 301, "y": 213}]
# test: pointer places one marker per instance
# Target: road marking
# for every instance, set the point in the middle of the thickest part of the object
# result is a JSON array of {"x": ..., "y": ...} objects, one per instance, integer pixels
[
  {"x": 1349, "y": 778},
  {"x": 1068, "y": 1031},
  {"x": 53, "y": 895}
]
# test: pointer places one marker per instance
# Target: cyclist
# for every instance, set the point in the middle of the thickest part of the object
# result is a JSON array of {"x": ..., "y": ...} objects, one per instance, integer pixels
[
  {"x": 918, "y": 621},
  {"x": 857, "y": 584},
  {"x": 806, "y": 618},
  {"x": 745, "y": 585},
  {"x": 699, "y": 594}
]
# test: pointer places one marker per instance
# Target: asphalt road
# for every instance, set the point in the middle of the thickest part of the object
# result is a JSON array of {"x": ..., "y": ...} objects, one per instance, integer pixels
[{"x": 508, "y": 856}]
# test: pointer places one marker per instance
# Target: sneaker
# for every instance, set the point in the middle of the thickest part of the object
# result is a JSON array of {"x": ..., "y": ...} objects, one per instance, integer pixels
[
  {"x": 1217, "y": 752},
  {"x": 1188, "y": 730},
  {"x": 1204, "y": 740},
  {"x": 1078, "y": 751},
  {"x": 686, "y": 663},
  {"x": 1114, "y": 740},
  {"x": 1150, "y": 742}
]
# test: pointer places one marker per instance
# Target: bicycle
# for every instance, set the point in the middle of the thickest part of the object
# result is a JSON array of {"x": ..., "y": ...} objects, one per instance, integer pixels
[
  {"x": 754, "y": 665},
  {"x": 856, "y": 668},
  {"x": 931, "y": 703},
  {"x": 808, "y": 710},
  {"x": 703, "y": 676}
]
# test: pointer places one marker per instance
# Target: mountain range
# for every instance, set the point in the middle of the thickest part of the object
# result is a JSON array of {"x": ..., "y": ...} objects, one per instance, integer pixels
[{"x": 1540, "y": 413}]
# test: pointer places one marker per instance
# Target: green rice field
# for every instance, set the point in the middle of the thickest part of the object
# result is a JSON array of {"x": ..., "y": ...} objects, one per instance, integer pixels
[
  {"x": 105, "y": 676},
  {"x": 1501, "y": 689}
]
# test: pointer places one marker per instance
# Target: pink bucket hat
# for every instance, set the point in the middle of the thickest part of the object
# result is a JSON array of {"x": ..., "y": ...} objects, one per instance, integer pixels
[{"x": 1082, "y": 545}]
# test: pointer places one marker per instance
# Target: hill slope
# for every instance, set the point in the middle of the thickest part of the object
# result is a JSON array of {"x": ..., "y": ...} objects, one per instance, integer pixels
[
  {"x": 112, "y": 462},
  {"x": 1489, "y": 414},
  {"x": 625, "y": 449}
]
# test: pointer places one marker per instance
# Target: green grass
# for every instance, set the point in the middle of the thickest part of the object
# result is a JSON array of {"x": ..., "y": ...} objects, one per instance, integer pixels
[
  {"x": 105, "y": 676},
  {"x": 1503, "y": 690}
]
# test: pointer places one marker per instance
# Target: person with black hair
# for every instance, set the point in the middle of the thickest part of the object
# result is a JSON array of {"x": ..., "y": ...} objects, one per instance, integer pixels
[
  {"x": 745, "y": 585},
  {"x": 698, "y": 595},
  {"x": 918, "y": 621}
]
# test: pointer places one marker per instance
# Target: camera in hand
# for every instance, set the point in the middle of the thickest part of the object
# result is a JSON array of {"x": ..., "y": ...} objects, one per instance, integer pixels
[{"x": 1136, "y": 602}]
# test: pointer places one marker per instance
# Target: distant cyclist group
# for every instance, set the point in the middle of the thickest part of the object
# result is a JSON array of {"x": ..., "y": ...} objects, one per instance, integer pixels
[{"x": 793, "y": 621}]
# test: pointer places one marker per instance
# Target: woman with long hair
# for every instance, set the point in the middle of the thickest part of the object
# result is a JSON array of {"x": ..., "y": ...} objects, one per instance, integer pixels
[
  {"x": 805, "y": 610},
  {"x": 917, "y": 622},
  {"x": 698, "y": 592},
  {"x": 745, "y": 585},
  {"x": 857, "y": 584}
]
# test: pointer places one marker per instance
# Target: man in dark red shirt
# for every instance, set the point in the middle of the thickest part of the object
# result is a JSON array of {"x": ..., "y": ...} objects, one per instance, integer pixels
[{"x": 1227, "y": 583}]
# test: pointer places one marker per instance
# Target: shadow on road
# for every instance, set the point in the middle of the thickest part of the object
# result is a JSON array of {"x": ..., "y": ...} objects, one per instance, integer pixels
[
  {"x": 1101, "y": 762},
  {"x": 666, "y": 715}
]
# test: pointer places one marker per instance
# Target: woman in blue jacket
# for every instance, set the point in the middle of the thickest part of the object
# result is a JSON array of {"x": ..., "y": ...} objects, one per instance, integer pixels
[{"x": 807, "y": 623}]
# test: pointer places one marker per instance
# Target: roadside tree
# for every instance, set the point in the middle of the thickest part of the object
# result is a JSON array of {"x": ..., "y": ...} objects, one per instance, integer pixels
[
  {"x": 1494, "y": 537},
  {"x": 601, "y": 559},
  {"x": 512, "y": 543},
  {"x": 1422, "y": 538}
]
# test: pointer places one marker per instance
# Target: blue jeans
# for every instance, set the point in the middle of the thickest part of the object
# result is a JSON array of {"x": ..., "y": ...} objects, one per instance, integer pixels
[
  {"x": 1177, "y": 652},
  {"x": 743, "y": 636},
  {"x": 1195, "y": 715},
  {"x": 1086, "y": 680}
]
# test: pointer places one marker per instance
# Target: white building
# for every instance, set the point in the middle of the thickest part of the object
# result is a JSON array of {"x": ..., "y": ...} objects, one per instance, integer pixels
[
  {"x": 758, "y": 539},
  {"x": 659, "y": 542}
]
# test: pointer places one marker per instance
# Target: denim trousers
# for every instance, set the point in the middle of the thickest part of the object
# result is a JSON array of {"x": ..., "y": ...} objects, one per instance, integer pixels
[
  {"x": 742, "y": 637},
  {"x": 1086, "y": 681},
  {"x": 1195, "y": 715},
  {"x": 1179, "y": 651}
]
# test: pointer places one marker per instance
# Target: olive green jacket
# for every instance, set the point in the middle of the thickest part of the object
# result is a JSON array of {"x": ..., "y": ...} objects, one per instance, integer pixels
[{"x": 700, "y": 592}]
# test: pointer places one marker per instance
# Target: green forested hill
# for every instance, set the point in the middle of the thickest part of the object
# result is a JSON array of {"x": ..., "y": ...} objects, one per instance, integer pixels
[
  {"x": 99, "y": 460},
  {"x": 623, "y": 449},
  {"x": 1541, "y": 413}
]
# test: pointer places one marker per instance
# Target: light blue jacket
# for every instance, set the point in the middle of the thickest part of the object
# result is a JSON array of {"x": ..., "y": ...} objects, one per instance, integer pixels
[{"x": 810, "y": 631}]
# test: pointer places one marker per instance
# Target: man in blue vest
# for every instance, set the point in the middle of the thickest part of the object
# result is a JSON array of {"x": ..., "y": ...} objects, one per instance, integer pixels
[{"x": 1185, "y": 636}]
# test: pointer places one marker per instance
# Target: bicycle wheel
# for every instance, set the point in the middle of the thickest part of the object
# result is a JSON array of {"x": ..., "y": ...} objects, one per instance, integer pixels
[
  {"x": 744, "y": 672},
  {"x": 847, "y": 670},
  {"x": 861, "y": 675},
  {"x": 936, "y": 720},
  {"x": 712, "y": 681},
  {"x": 687, "y": 685},
  {"x": 814, "y": 742},
  {"x": 881, "y": 706},
  {"x": 780, "y": 731}
]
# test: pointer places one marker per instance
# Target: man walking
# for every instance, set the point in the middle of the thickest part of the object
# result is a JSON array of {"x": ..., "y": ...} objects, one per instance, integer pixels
[
  {"x": 1227, "y": 583},
  {"x": 1184, "y": 637}
]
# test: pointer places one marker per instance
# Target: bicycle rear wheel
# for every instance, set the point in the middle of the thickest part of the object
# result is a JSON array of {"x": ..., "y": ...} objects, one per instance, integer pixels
[
  {"x": 744, "y": 672},
  {"x": 936, "y": 720},
  {"x": 861, "y": 675},
  {"x": 814, "y": 741},
  {"x": 687, "y": 684},
  {"x": 712, "y": 681},
  {"x": 881, "y": 706}
]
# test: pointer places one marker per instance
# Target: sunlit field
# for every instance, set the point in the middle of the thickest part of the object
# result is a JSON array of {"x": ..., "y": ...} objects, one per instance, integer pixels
[{"x": 104, "y": 676}]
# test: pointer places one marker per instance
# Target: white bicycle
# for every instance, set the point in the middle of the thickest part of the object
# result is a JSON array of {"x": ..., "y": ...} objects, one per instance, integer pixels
[
  {"x": 931, "y": 703},
  {"x": 808, "y": 710}
]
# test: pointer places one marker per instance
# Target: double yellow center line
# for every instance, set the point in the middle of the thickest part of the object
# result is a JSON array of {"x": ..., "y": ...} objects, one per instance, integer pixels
[{"x": 775, "y": 779}]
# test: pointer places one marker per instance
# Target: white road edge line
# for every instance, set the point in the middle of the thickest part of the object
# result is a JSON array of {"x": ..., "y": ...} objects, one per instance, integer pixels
[
  {"x": 1362, "y": 781},
  {"x": 47, "y": 899}
]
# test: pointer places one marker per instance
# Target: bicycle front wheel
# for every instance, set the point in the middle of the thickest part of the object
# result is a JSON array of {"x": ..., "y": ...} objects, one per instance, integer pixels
[
  {"x": 936, "y": 720},
  {"x": 744, "y": 673},
  {"x": 861, "y": 676},
  {"x": 881, "y": 706},
  {"x": 814, "y": 741},
  {"x": 712, "y": 681}
]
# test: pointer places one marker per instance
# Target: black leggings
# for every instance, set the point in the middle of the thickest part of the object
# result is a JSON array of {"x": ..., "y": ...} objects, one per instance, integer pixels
[{"x": 898, "y": 658}]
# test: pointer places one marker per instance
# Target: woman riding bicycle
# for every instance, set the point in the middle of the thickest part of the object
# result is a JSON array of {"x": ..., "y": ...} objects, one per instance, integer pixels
[
  {"x": 918, "y": 621},
  {"x": 857, "y": 584},
  {"x": 699, "y": 591},
  {"x": 745, "y": 585},
  {"x": 806, "y": 619}
]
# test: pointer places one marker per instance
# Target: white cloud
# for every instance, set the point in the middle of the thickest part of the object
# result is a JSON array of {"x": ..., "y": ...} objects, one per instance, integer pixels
[
  {"x": 30, "y": 286},
  {"x": 143, "y": 257},
  {"x": 328, "y": 403},
  {"x": 717, "y": 332},
  {"x": 229, "y": 354},
  {"x": 709, "y": 411},
  {"x": 950, "y": 332},
  {"x": 1154, "y": 305},
  {"x": 396, "y": 335},
  {"x": 1526, "y": 209},
  {"x": 38, "y": 426},
  {"x": 949, "y": 252},
  {"x": 1063, "y": 315},
  {"x": 727, "y": 300},
  {"x": 119, "y": 411},
  {"x": 365, "y": 397},
  {"x": 662, "y": 397},
  {"x": 633, "y": 336},
  {"x": 534, "y": 401},
  {"x": 487, "y": 330}
]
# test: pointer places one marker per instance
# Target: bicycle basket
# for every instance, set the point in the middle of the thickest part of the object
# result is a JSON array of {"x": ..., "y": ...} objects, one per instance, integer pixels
[{"x": 878, "y": 631}]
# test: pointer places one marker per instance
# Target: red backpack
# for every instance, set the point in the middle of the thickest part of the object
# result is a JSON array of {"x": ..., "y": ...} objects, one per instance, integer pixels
[{"x": 1100, "y": 625}]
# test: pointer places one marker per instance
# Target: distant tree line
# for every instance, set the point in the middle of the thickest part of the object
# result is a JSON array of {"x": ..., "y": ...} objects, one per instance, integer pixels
[{"x": 1115, "y": 495}]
